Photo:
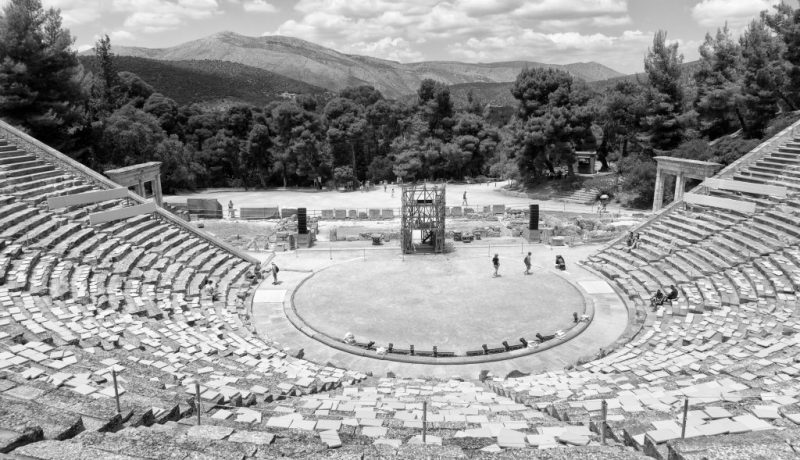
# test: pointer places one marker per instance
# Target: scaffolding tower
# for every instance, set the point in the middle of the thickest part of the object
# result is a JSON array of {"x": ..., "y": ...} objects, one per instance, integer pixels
[{"x": 424, "y": 210}]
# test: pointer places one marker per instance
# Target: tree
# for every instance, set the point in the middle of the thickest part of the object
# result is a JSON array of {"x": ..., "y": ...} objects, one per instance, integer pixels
[
  {"x": 718, "y": 81},
  {"x": 257, "y": 153},
  {"x": 785, "y": 21},
  {"x": 364, "y": 95},
  {"x": 553, "y": 118},
  {"x": 179, "y": 167},
  {"x": 297, "y": 137},
  {"x": 764, "y": 76},
  {"x": 108, "y": 80},
  {"x": 664, "y": 98},
  {"x": 38, "y": 69},
  {"x": 164, "y": 109},
  {"x": 436, "y": 108},
  {"x": 619, "y": 114},
  {"x": 129, "y": 136},
  {"x": 346, "y": 130},
  {"x": 220, "y": 155},
  {"x": 343, "y": 175},
  {"x": 133, "y": 89}
]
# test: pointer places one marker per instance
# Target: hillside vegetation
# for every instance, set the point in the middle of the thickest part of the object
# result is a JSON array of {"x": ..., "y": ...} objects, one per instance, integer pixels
[{"x": 195, "y": 81}]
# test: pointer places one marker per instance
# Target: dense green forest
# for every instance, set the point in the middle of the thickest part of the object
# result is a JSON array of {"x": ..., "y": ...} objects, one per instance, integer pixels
[{"x": 748, "y": 85}]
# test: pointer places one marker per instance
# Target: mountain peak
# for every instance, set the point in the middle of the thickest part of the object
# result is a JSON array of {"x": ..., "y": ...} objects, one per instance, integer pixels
[{"x": 327, "y": 68}]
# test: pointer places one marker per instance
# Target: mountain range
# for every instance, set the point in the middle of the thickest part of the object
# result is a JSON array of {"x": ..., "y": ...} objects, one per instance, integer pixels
[{"x": 322, "y": 67}]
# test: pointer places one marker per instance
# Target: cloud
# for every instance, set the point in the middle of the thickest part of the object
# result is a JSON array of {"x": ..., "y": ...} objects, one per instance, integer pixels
[
  {"x": 121, "y": 35},
  {"x": 76, "y": 12},
  {"x": 258, "y": 6},
  {"x": 623, "y": 52},
  {"x": 152, "y": 16},
  {"x": 737, "y": 13},
  {"x": 473, "y": 29},
  {"x": 566, "y": 9}
]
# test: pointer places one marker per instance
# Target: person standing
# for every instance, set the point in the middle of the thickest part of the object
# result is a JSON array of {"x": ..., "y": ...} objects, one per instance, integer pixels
[
  {"x": 274, "y": 273},
  {"x": 496, "y": 263},
  {"x": 464, "y": 200},
  {"x": 230, "y": 209},
  {"x": 527, "y": 261}
]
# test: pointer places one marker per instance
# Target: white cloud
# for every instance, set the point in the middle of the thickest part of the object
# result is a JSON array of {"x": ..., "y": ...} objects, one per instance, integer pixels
[
  {"x": 82, "y": 48},
  {"x": 487, "y": 30},
  {"x": 565, "y": 9},
  {"x": 75, "y": 12},
  {"x": 258, "y": 6},
  {"x": 121, "y": 35},
  {"x": 152, "y": 16},
  {"x": 622, "y": 52},
  {"x": 737, "y": 13},
  {"x": 394, "y": 49},
  {"x": 484, "y": 7}
]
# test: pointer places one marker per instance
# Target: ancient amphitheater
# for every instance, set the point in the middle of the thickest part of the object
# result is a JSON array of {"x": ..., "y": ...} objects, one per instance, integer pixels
[{"x": 84, "y": 305}]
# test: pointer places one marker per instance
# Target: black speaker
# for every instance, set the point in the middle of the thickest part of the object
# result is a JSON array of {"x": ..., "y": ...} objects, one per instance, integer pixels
[
  {"x": 533, "y": 223},
  {"x": 302, "y": 222}
]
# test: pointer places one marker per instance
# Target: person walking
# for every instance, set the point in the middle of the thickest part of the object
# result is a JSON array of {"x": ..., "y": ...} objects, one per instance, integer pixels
[
  {"x": 275, "y": 271},
  {"x": 464, "y": 200},
  {"x": 527, "y": 261},
  {"x": 496, "y": 263}
]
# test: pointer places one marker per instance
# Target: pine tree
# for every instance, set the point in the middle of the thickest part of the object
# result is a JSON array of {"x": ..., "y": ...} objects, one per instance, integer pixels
[
  {"x": 718, "y": 80},
  {"x": 764, "y": 76},
  {"x": 785, "y": 21},
  {"x": 553, "y": 118},
  {"x": 665, "y": 94},
  {"x": 108, "y": 80},
  {"x": 38, "y": 88}
]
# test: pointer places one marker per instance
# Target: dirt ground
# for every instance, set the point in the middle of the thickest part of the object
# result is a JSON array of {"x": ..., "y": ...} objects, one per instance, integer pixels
[{"x": 478, "y": 195}]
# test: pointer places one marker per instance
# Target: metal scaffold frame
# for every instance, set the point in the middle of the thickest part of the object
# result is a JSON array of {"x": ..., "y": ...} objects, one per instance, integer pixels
[{"x": 423, "y": 208}]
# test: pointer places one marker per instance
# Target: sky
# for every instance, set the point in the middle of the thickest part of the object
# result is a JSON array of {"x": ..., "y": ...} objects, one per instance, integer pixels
[{"x": 615, "y": 33}]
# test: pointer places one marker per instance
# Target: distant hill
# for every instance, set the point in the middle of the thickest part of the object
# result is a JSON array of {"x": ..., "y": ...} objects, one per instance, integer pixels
[
  {"x": 210, "y": 82},
  {"x": 499, "y": 94},
  {"x": 326, "y": 68},
  {"x": 688, "y": 70}
]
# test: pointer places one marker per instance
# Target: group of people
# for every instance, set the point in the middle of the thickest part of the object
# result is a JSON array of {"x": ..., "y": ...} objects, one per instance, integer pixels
[
  {"x": 560, "y": 264},
  {"x": 659, "y": 298},
  {"x": 634, "y": 241},
  {"x": 257, "y": 272}
]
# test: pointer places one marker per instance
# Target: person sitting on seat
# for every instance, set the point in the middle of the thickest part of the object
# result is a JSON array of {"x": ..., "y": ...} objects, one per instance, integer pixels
[
  {"x": 560, "y": 264},
  {"x": 637, "y": 241},
  {"x": 657, "y": 300},
  {"x": 673, "y": 294}
]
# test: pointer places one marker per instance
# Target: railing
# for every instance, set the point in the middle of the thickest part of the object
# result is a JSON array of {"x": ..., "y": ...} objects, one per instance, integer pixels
[{"x": 32, "y": 145}]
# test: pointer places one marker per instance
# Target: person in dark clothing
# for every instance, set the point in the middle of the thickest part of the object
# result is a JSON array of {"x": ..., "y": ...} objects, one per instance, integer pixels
[
  {"x": 496, "y": 263},
  {"x": 657, "y": 300},
  {"x": 275, "y": 271},
  {"x": 673, "y": 293},
  {"x": 560, "y": 264},
  {"x": 527, "y": 262}
]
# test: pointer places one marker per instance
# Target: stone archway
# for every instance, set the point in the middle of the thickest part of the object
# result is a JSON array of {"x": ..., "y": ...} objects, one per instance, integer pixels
[
  {"x": 682, "y": 169},
  {"x": 137, "y": 176}
]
